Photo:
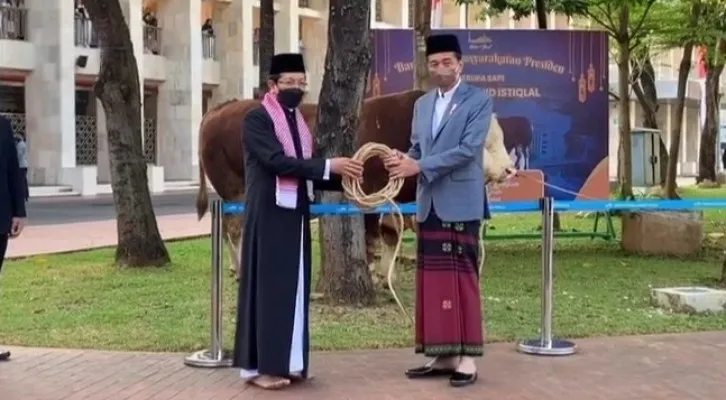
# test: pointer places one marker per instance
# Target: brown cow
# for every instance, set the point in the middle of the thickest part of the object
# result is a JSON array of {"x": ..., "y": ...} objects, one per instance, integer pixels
[{"x": 386, "y": 119}]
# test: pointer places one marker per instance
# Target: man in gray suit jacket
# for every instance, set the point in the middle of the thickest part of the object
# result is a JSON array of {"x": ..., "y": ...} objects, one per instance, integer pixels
[{"x": 450, "y": 124}]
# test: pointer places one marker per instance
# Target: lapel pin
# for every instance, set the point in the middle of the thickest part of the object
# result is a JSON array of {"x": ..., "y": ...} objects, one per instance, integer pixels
[{"x": 453, "y": 107}]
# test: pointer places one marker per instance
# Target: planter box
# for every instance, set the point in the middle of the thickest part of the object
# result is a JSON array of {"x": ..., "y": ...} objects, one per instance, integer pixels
[
  {"x": 676, "y": 233},
  {"x": 689, "y": 300}
]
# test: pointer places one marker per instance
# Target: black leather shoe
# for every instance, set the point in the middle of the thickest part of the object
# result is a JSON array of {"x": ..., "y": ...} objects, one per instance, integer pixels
[
  {"x": 4, "y": 355},
  {"x": 459, "y": 379},
  {"x": 428, "y": 372}
]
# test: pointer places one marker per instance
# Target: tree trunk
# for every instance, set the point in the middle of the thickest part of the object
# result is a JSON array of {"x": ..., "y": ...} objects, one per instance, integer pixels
[
  {"x": 422, "y": 29},
  {"x": 117, "y": 87},
  {"x": 675, "y": 146},
  {"x": 709, "y": 135},
  {"x": 625, "y": 162},
  {"x": 541, "y": 11},
  {"x": 266, "y": 42},
  {"x": 345, "y": 275},
  {"x": 683, "y": 73},
  {"x": 647, "y": 94}
]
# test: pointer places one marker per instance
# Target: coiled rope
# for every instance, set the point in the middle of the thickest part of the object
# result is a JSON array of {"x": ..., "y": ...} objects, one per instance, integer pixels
[
  {"x": 367, "y": 201},
  {"x": 354, "y": 192}
]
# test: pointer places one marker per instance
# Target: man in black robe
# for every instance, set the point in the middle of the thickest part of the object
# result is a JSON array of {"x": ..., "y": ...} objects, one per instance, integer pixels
[{"x": 272, "y": 338}]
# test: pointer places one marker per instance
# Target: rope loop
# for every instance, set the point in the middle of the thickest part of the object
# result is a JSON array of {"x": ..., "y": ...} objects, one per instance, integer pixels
[
  {"x": 353, "y": 189},
  {"x": 354, "y": 192}
]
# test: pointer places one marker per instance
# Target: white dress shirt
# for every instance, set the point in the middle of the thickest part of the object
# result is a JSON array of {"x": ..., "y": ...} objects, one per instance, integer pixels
[{"x": 441, "y": 105}]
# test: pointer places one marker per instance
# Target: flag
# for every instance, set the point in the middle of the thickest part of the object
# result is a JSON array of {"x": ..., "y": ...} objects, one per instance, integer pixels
[{"x": 701, "y": 62}]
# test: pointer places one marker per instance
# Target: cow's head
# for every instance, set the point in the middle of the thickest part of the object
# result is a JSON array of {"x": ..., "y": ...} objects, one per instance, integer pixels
[{"x": 498, "y": 166}]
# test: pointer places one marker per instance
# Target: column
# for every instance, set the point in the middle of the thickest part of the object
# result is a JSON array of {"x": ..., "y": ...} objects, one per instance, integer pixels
[
  {"x": 463, "y": 20},
  {"x": 405, "y": 4},
  {"x": 133, "y": 10},
  {"x": 234, "y": 29},
  {"x": 315, "y": 36},
  {"x": 180, "y": 96},
  {"x": 103, "y": 160},
  {"x": 49, "y": 99},
  {"x": 373, "y": 13},
  {"x": 287, "y": 27},
  {"x": 248, "y": 42}
]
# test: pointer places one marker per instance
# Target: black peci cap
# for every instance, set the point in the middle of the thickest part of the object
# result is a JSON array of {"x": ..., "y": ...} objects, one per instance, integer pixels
[
  {"x": 287, "y": 62},
  {"x": 442, "y": 44}
]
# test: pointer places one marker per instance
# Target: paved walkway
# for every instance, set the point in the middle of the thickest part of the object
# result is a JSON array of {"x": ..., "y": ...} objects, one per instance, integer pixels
[
  {"x": 47, "y": 239},
  {"x": 683, "y": 367}
]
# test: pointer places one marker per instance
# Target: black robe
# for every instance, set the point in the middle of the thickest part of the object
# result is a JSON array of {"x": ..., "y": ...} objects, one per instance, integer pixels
[{"x": 270, "y": 260}]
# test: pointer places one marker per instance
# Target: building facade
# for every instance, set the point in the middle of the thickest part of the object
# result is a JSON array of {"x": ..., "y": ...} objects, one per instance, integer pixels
[{"x": 49, "y": 59}]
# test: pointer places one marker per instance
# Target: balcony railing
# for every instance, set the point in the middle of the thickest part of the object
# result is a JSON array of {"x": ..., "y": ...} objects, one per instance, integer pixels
[
  {"x": 85, "y": 35},
  {"x": 13, "y": 22},
  {"x": 152, "y": 39},
  {"x": 209, "y": 46}
]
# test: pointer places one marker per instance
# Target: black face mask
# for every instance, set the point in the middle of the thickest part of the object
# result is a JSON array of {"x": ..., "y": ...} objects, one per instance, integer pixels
[{"x": 290, "y": 98}]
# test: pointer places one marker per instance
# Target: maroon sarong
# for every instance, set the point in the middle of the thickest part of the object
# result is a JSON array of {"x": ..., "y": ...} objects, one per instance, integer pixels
[{"x": 448, "y": 303}]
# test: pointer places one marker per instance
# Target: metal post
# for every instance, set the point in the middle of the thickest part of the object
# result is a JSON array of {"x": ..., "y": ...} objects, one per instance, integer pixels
[
  {"x": 545, "y": 345},
  {"x": 215, "y": 357}
]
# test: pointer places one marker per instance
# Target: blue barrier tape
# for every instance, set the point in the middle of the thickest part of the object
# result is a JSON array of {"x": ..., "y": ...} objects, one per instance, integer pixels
[
  {"x": 518, "y": 206},
  {"x": 406, "y": 209},
  {"x": 640, "y": 205}
]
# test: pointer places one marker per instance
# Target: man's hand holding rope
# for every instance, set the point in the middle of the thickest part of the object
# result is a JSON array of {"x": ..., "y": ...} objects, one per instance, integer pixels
[
  {"x": 347, "y": 167},
  {"x": 400, "y": 165}
]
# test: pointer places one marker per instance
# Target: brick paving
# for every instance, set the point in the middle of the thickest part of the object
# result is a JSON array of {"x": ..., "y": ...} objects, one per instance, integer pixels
[
  {"x": 48, "y": 239},
  {"x": 688, "y": 366}
]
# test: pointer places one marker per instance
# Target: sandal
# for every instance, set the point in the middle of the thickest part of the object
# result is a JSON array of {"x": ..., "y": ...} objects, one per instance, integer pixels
[
  {"x": 269, "y": 382},
  {"x": 295, "y": 378}
]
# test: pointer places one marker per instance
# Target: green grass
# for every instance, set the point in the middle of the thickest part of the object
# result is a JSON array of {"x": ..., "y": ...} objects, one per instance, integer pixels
[{"x": 81, "y": 300}]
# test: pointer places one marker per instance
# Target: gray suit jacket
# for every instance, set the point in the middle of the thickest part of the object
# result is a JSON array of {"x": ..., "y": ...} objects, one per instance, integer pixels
[{"x": 452, "y": 168}]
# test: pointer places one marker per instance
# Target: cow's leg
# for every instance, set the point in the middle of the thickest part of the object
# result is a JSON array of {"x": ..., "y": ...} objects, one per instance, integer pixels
[
  {"x": 232, "y": 225},
  {"x": 372, "y": 234},
  {"x": 234, "y": 261}
]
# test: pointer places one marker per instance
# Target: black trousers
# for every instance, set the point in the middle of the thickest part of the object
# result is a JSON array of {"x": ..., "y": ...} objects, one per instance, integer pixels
[{"x": 3, "y": 248}]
